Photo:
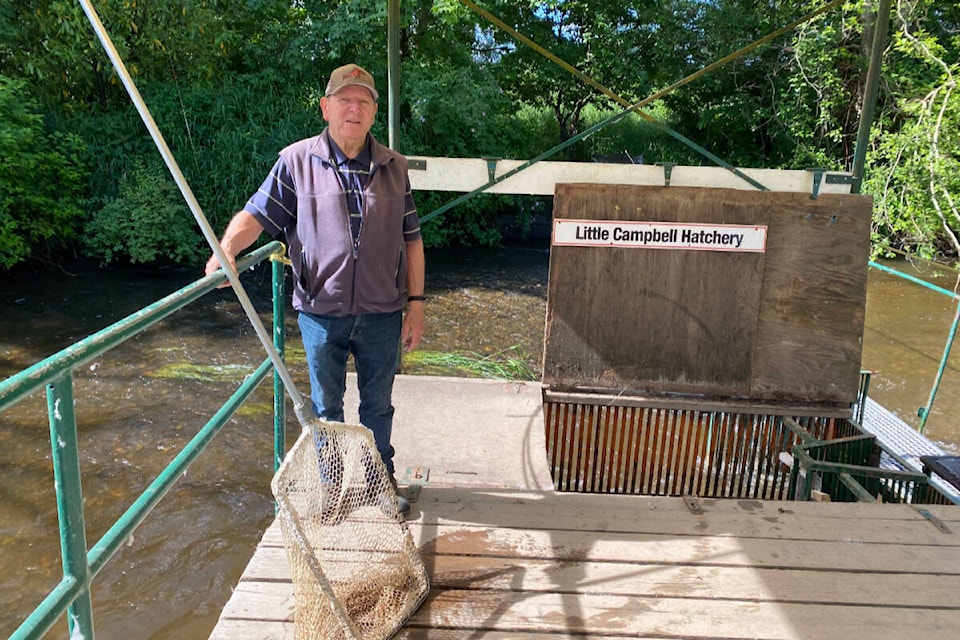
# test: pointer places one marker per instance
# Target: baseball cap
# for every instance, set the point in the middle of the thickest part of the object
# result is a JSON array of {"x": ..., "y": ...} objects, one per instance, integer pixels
[{"x": 350, "y": 74}]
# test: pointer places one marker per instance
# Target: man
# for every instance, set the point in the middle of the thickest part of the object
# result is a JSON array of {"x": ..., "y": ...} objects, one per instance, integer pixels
[{"x": 343, "y": 202}]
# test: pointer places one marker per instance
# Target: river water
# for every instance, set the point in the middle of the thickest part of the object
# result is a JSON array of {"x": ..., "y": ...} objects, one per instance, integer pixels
[{"x": 138, "y": 406}]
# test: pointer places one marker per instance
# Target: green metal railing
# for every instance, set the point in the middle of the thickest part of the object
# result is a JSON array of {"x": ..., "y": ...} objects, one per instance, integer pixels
[
  {"x": 846, "y": 475},
  {"x": 845, "y": 468},
  {"x": 55, "y": 376}
]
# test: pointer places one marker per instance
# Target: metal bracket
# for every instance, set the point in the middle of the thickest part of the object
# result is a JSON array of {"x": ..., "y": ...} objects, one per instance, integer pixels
[
  {"x": 693, "y": 503},
  {"x": 416, "y": 165},
  {"x": 840, "y": 178},
  {"x": 667, "y": 171},
  {"x": 817, "y": 181},
  {"x": 415, "y": 478},
  {"x": 491, "y": 168},
  {"x": 934, "y": 520},
  {"x": 823, "y": 176}
]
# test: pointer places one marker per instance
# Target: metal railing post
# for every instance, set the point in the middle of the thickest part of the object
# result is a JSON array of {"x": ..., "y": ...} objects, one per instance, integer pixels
[
  {"x": 924, "y": 412},
  {"x": 881, "y": 25},
  {"x": 66, "y": 473},
  {"x": 393, "y": 73},
  {"x": 279, "y": 342}
]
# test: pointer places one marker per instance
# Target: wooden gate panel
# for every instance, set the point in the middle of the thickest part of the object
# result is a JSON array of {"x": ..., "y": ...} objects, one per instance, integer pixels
[
  {"x": 781, "y": 327},
  {"x": 672, "y": 320},
  {"x": 810, "y": 326}
]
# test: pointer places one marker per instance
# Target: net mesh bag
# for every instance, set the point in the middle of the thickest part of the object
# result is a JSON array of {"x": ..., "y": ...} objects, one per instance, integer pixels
[{"x": 356, "y": 571}]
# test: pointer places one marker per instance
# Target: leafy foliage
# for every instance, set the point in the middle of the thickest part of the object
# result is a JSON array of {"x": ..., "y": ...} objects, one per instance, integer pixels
[
  {"x": 42, "y": 178},
  {"x": 230, "y": 82},
  {"x": 915, "y": 162},
  {"x": 147, "y": 222}
]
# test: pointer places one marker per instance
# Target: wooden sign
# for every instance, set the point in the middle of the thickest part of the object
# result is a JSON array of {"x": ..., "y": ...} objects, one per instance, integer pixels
[{"x": 777, "y": 325}]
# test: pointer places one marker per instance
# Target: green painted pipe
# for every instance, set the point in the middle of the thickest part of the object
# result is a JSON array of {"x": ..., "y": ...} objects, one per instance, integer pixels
[
  {"x": 279, "y": 341},
  {"x": 73, "y": 529},
  {"x": 49, "y": 611},
  {"x": 30, "y": 380}
]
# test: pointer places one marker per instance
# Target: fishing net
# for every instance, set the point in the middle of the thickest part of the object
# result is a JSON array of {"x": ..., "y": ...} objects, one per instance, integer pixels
[{"x": 356, "y": 571}]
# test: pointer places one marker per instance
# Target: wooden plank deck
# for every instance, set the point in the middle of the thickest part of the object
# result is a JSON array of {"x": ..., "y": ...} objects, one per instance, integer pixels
[{"x": 531, "y": 565}]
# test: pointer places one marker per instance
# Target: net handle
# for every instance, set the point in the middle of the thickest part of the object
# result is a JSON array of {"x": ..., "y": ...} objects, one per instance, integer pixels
[{"x": 301, "y": 408}]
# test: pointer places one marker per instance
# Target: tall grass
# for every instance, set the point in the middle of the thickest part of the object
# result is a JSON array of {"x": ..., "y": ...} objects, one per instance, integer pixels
[{"x": 507, "y": 364}]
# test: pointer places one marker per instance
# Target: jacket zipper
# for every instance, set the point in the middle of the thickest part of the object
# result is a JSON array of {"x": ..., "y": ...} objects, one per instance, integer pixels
[{"x": 356, "y": 242}]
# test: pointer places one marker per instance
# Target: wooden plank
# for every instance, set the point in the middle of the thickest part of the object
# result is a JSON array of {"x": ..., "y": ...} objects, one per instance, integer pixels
[
  {"x": 721, "y": 551},
  {"x": 871, "y": 586},
  {"x": 670, "y": 516},
  {"x": 665, "y": 581},
  {"x": 522, "y": 565},
  {"x": 468, "y": 174},
  {"x": 261, "y": 601},
  {"x": 759, "y": 534},
  {"x": 272, "y": 630},
  {"x": 493, "y": 634},
  {"x": 573, "y": 614},
  {"x": 230, "y": 629},
  {"x": 568, "y": 612},
  {"x": 769, "y": 553},
  {"x": 663, "y": 516}
]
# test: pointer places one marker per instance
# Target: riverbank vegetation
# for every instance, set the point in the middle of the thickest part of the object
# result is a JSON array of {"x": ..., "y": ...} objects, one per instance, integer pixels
[{"x": 230, "y": 82}]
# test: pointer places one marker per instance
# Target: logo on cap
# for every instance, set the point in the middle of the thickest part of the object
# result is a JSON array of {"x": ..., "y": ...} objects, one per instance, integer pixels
[{"x": 350, "y": 74}]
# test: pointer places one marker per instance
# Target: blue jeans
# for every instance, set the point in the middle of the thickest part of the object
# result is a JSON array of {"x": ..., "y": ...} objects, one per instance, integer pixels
[{"x": 374, "y": 341}]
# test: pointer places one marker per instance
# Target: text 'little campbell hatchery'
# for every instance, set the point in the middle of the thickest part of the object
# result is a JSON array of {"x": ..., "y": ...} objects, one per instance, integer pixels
[{"x": 659, "y": 235}]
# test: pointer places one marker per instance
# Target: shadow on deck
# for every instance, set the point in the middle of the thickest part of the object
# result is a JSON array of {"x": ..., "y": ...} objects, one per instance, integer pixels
[{"x": 508, "y": 557}]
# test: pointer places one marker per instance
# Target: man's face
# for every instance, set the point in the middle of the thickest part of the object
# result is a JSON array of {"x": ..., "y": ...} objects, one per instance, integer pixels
[{"x": 350, "y": 113}]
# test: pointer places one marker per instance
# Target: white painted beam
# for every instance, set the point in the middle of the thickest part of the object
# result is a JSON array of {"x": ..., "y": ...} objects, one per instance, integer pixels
[{"x": 467, "y": 174}]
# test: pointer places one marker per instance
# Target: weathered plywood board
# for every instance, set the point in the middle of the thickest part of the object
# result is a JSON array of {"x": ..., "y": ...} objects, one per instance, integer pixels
[
  {"x": 778, "y": 327},
  {"x": 810, "y": 327}
]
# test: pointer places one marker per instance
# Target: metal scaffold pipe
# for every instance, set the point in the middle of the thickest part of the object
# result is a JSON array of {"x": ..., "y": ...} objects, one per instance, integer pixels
[{"x": 881, "y": 25}]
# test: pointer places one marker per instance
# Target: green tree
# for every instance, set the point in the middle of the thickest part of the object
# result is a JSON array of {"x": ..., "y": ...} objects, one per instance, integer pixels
[
  {"x": 42, "y": 179},
  {"x": 230, "y": 82},
  {"x": 914, "y": 162},
  {"x": 611, "y": 43},
  {"x": 146, "y": 223}
]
